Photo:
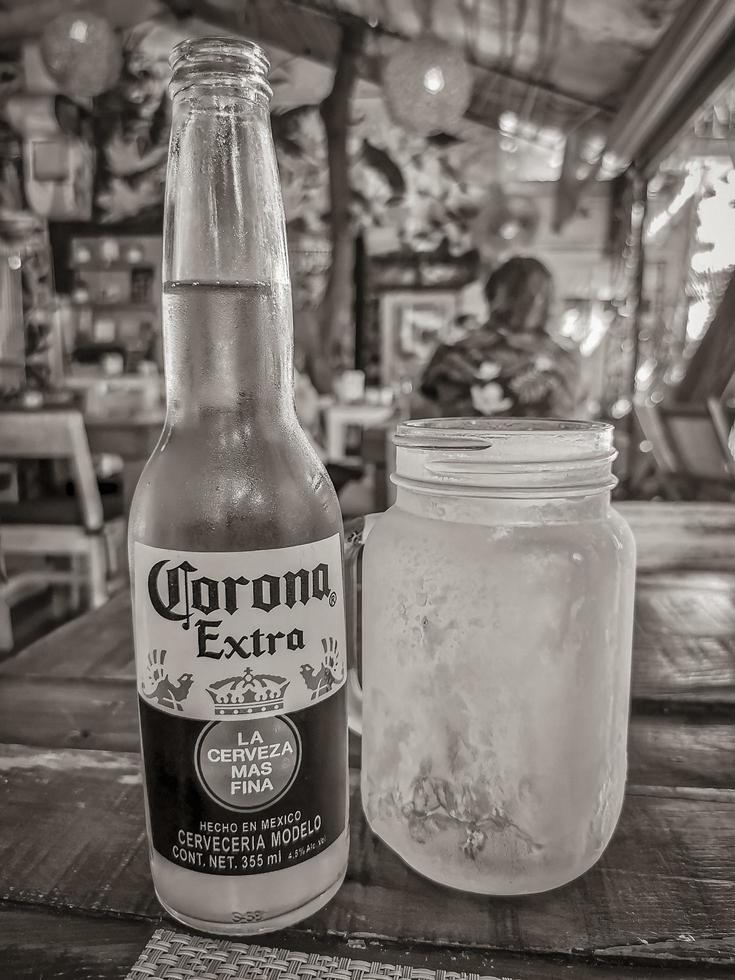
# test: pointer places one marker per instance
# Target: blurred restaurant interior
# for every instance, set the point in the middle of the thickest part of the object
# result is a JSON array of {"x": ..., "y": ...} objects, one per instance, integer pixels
[
  {"x": 421, "y": 146},
  {"x": 503, "y": 727}
]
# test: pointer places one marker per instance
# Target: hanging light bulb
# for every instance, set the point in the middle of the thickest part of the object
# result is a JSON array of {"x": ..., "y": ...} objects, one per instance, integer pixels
[
  {"x": 427, "y": 85},
  {"x": 434, "y": 80},
  {"x": 508, "y": 122},
  {"x": 81, "y": 53}
]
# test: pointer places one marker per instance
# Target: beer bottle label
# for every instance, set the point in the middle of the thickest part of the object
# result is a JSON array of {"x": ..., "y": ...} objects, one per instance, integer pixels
[{"x": 241, "y": 666}]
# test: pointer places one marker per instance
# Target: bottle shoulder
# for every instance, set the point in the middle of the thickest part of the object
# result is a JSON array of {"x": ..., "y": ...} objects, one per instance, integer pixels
[{"x": 237, "y": 493}]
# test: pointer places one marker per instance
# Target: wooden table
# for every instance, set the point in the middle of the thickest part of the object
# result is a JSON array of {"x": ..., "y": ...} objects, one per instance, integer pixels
[
  {"x": 340, "y": 417},
  {"x": 124, "y": 416},
  {"x": 76, "y": 898},
  {"x": 133, "y": 438}
]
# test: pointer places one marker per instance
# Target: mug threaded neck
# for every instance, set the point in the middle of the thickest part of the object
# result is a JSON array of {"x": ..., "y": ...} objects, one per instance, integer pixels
[{"x": 505, "y": 457}]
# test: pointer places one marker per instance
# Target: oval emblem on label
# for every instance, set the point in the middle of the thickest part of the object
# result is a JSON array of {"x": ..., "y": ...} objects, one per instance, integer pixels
[{"x": 248, "y": 764}]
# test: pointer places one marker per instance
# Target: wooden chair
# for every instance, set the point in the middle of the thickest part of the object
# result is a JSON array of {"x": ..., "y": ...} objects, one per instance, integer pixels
[
  {"x": 88, "y": 528},
  {"x": 379, "y": 452},
  {"x": 689, "y": 444}
]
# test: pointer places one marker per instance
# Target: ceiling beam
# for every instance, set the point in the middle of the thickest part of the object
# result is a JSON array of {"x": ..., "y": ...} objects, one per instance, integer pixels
[
  {"x": 301, "y": 32},
  {"x": 308, "y": 31},
  {"x": 495, "y": 74},
  {"x": 695, "y": 55}
]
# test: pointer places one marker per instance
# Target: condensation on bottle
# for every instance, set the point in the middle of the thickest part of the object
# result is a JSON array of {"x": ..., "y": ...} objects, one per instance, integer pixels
[{"x": 235, "y": 542}]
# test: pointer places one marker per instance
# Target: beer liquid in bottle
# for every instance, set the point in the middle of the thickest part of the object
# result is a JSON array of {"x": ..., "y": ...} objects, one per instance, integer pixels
[{"x": 235, "y": 542}]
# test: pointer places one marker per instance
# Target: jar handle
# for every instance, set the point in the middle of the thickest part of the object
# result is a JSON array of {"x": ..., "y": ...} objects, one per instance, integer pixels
[{"x": 356, "y": 533}]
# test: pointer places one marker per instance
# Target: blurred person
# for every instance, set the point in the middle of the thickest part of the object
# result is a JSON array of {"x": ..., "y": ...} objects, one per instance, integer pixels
[{"x": 510, "y": 366}]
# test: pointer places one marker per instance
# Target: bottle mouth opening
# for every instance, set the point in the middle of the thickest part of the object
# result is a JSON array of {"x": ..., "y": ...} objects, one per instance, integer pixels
[
  {"x": 507, "y": 457},
  {"x": 219, "y": 60}
]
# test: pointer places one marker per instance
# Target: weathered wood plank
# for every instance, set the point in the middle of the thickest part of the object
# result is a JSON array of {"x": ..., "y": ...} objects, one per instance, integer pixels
[
  {"x": 677, "y": 670},
  {"x": 40, "y": 942},
  {"x": 669, "y": 750},
  {"x": 719, "y": 953},
  {"x": 37, "y": 942},
  {"x": 694, "y": 604},
  {"x": 97, "y": 644},
  {"x": 64, "y": 713},
  {"x": 684, "y": 646},
  {"x": 681, "y": 535},
  {"x": 61, "y": 712},
  {"x": 698, "y": 662},
  {"x": 72, "y": 831},
  {"x": 673, "y": 751},
  {"x": 668, "y": 872}
]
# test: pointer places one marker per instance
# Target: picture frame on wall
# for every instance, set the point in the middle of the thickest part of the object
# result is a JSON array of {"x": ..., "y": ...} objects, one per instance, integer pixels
[{"x": 412, "y": 323}]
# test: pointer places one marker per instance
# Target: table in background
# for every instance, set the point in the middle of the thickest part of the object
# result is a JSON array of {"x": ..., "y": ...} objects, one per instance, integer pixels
[
  {"x": 76, "y": 894},
  {"x": 339, "y": 417},
  {"x": 123, "y": 415},
  {"x": 133, "y": 439}
]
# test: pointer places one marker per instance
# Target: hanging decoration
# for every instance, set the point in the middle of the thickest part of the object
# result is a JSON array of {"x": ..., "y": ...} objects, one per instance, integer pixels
[
  {"x": 427, "y": 85},
  {"x": 81, "y": 53},
  {"x": 506, "y": 223}
]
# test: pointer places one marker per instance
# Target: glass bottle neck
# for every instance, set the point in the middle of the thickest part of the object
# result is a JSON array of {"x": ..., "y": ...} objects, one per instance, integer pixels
[
  {"x": 223, "y": 217},
  {"x": 227, "y": 319},
  {"x": 228, "y": 350}
]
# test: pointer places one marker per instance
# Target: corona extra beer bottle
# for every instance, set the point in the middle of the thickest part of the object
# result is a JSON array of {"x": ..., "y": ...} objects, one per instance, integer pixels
[{"x": 235, "y": 542}]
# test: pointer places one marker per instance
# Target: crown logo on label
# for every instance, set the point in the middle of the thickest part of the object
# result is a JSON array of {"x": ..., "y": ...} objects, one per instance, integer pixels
[{"x": 248, "y": 694}]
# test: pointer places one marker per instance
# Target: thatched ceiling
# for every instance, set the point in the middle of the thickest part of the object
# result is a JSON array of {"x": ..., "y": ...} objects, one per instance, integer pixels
[
  {"x": 575, "y": 66},
  {"x": 555, "y": 62},
  {"x": 586, "y": 49}
]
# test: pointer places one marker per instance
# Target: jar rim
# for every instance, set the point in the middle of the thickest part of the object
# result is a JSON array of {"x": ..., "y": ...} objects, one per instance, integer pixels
[
  {"x": 513, "y": 456},
  {"x": 440, "y": 432}
]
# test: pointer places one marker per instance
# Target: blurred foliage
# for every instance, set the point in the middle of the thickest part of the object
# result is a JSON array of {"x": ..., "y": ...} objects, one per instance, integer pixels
[{"x": 422, "y": 193}]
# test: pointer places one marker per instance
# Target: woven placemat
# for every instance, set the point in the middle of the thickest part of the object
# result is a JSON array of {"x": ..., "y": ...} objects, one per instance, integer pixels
[{"x": 173, "y": 955}]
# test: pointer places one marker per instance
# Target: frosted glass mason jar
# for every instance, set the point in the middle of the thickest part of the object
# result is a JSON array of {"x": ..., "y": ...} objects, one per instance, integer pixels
[{"x": 496, "y": 647}]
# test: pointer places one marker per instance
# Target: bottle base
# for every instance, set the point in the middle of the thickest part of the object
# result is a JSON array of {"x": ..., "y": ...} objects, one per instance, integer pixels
[
  {"x": 250, "y": 905},
  {"x": 260, "y": 926}
]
